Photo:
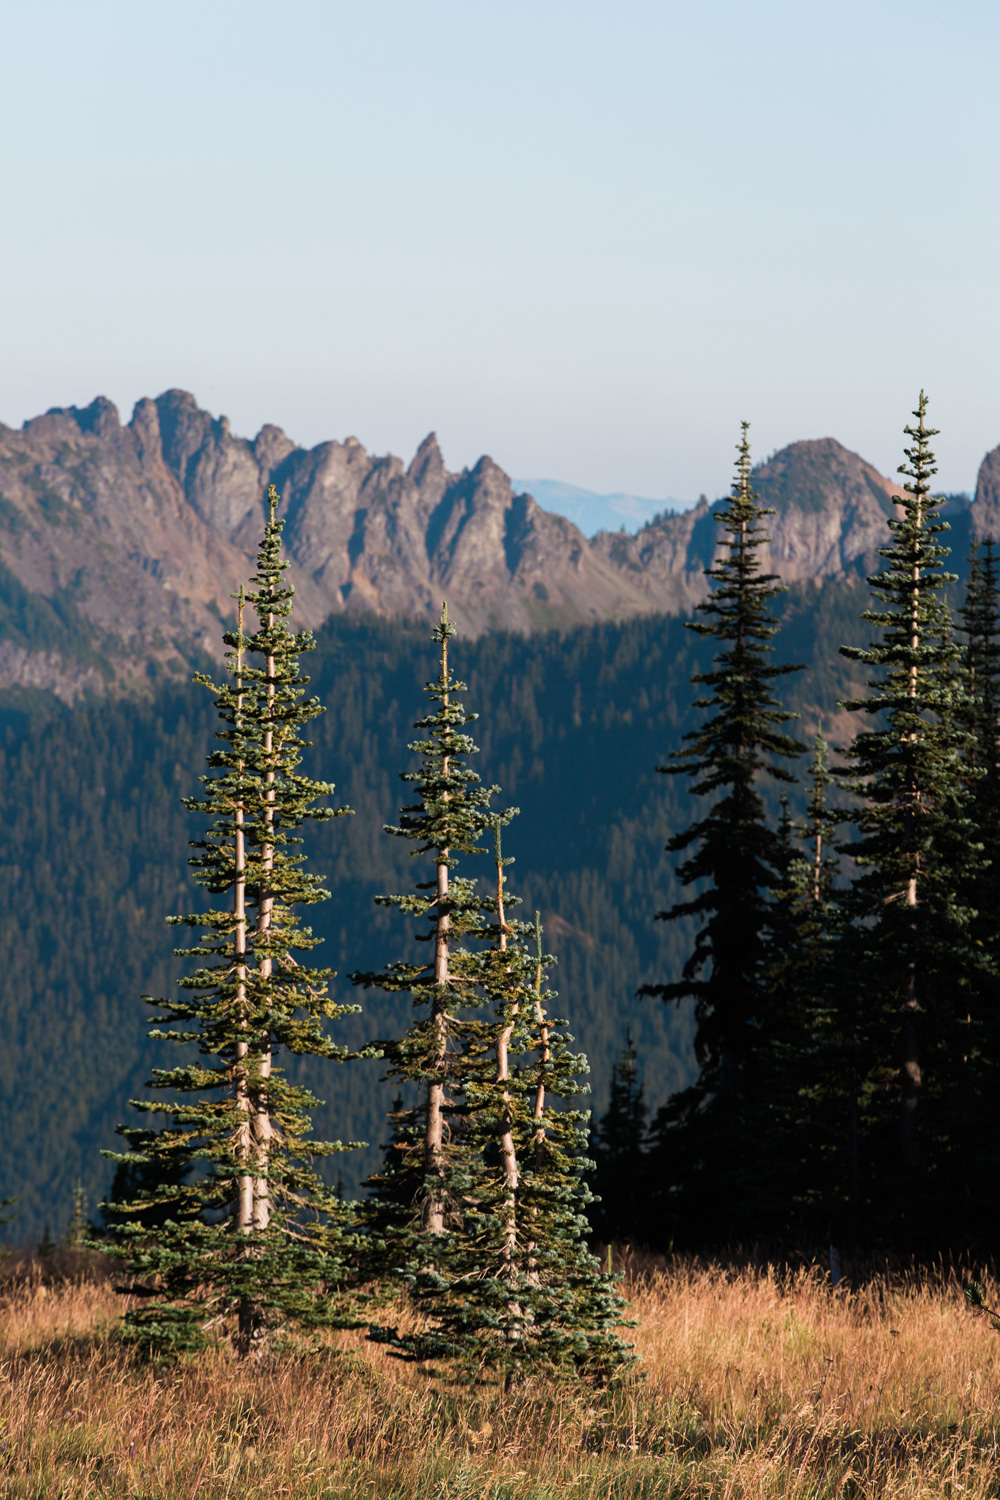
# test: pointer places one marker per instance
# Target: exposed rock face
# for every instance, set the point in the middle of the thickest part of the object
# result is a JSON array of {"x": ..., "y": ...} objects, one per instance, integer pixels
[
  {"x": 986, "y": 506},
  {"x": 830, "y": 512},
  {"x": 141, "y": 533}
]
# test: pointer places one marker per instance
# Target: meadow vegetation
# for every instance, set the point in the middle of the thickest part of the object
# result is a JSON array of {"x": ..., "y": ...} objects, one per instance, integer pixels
[{"x": 755, "y": 1382}]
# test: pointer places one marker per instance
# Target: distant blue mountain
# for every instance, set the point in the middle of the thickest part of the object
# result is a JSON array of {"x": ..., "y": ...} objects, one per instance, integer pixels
[{"x": 593, "y": 512}]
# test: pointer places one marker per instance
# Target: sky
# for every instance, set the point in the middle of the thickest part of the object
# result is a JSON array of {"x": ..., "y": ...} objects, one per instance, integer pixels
[{"x": 587, "y": 239}]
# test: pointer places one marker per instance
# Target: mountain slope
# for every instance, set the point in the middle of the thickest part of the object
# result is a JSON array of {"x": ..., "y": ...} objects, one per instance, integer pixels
[{"x": 131, "y": 539}]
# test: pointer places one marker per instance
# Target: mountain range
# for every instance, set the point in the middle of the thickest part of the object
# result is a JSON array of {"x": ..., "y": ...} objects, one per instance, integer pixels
[{"x": 121, "y": 545}]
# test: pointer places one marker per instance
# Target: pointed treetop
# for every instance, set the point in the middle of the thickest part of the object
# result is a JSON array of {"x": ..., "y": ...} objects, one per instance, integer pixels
[
  {"x": 272, "y": 501},
  {"x": 444, "y": 629},
  {"x": 741, "y": 485},
  {"x": 499, "y": 820},
  {"x": 920, "y": 463}
]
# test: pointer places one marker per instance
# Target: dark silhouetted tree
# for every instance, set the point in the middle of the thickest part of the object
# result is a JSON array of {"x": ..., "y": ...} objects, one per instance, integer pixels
[
  {"x": 732, "y": 856},
  {"x": 916, "y": 969}
]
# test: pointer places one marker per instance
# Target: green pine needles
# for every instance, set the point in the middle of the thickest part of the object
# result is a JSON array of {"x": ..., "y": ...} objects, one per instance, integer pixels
[
  {"x": 419, "y": 1195},
  {"x": 733, "y": 856},
  {"x": 480, "y": 1208},
  {"x": 918, "y": 968},
  {"x": 247, "y": 1238}
]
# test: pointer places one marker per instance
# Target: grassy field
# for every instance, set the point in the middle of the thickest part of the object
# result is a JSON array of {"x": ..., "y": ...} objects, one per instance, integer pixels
[{"x": 754, "y": 1385}]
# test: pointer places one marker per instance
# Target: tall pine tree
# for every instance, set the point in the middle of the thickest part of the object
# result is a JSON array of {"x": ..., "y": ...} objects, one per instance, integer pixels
[
  {"x": 247, "y": 1236},
  {"x": 424, "y": 1184},
  {"x": 731, "y": 857},
  {"x": 513, "y": 1288},
  {"x": 917, "y": 967}
]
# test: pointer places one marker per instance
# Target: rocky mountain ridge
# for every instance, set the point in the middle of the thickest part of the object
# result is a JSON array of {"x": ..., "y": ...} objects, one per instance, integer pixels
[{"x": 120, "y": 545}]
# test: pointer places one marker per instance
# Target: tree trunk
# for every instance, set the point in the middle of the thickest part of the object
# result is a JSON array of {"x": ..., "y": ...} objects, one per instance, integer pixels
[
  {"x": 538, "y": 1113},
  {"x": 434, "y": 1206},
  {"x": 252, "y": 1337},
  {"x": 912, "y": 1080},
  {"x": 508, "y": 1149},
  {"x": 244, "y": 1208}
]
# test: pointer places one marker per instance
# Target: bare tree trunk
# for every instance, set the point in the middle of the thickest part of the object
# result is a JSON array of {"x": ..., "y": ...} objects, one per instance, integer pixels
[
  {"x": 244, "y": 1209},
  {"x": 263, "y": 1129},
  {"x": 538, "y": 1113},
  {"x": 434, "y": 1207},
  {"x": 507, "y": 1147},
  {"x": 544, "y": 1058},
  {"x": 253, "y": 1327}
]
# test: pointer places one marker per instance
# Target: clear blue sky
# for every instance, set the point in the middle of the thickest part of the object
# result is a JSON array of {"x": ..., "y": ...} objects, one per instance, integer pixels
[{"x": 585, "y": 238}]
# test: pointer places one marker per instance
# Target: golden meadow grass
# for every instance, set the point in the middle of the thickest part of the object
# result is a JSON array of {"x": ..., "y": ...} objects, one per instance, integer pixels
[{"x": 755, "y": 1384}]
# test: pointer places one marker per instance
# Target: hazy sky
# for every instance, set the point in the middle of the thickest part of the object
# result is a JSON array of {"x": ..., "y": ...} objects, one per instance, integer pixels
[{"x": 585, "y": 238}]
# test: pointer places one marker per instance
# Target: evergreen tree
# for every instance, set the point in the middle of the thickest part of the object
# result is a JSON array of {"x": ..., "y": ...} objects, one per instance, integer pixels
[
  {"x": 731, "y": 859},
  {"x": 425, "y": 1184},
  {"x": 513, "y": 1287},
  {"x": 142, "y": 1180},
  {"x": 251, "y": 1232},
  {"x": 77, "y": 1230},
  {"x": 917, "y": 969},
  {"x": 619, "y": 1150},
  {"x": 574, "y": 1306},
  {"x": 809, "y": 1064}
]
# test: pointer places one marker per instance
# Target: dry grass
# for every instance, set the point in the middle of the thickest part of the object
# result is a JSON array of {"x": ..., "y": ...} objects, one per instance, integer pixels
[{"x": 755, "y": 1386}]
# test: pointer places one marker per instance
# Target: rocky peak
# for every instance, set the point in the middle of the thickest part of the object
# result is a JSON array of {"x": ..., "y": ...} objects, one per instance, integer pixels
[
  {"x": 820, "y": 474},
  {"x": 100, "y": 417},
  {"x": 184, "y": 428},
  {"x": 270, "y": 448},
  {"x": 986, "y": 506},
  {"x": 155, "y": 524},
  {"x": 427, "y": 468}
]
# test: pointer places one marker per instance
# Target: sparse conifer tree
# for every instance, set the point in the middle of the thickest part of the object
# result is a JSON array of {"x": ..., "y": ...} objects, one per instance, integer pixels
[
  {"x": 424, "y": 1186},
  {"x": 575, "y": 1307},
  {"x": 246, "y": 1232},
  {"x": 917, "y": 969},
  {"x": 514, "y": 1288}
]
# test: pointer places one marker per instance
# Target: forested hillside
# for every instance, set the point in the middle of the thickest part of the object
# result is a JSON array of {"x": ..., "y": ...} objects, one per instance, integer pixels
[{"x": 571, "y": 727}]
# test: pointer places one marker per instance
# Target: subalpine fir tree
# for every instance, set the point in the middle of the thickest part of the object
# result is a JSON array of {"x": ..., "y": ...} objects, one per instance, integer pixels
[
  {"x": 706, "y": 1147},
  {"x": 575, "y": 1307},
  {"x": 619, "y": 1150},
  {"x": 423, "y": 1187},
  {"x": 251, "y": 1236},
  {"x": 514, "y": 1289},
  {"x": 917, "y": 969}
]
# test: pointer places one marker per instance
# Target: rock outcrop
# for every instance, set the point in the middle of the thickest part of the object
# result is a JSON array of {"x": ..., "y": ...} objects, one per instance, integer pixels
[{"x": 138, "y": 534}]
